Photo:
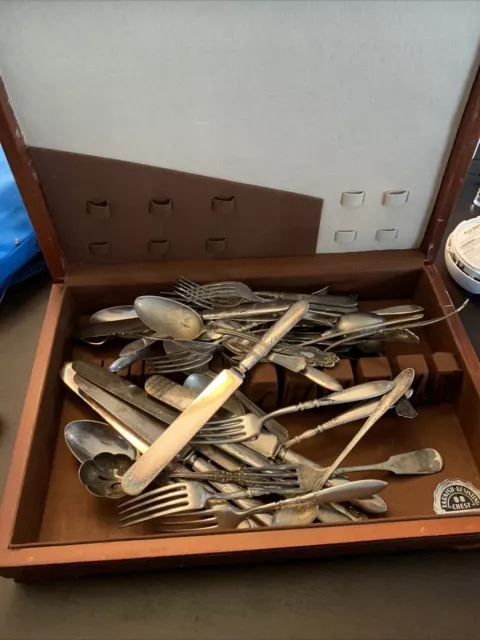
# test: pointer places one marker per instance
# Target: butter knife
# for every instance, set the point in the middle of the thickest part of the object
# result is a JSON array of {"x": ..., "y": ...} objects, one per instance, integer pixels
[
  {"x": 254, "y": 453},
  {"x": 129, "y": 431},
  {"x": 165, "y": 448}
]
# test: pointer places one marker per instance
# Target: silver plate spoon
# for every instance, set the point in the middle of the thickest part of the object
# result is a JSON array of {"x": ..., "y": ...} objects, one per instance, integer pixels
[
  {"x": 357, "y": 321},
  {"x": 134, "y": 352},
  {"x": 402, "y": 383},
  {"x": 123, "y": 312},
  {"x": 102, "y": 475},
  {"x": 88, "y": 438},
  {"x": 407, "y": 324},
  {"x": 303, "y": 515},
  {"x": 197, "y": 383},
  {"x": 356, "y": 333},
  {"x": 420, "y": 462},
  {"x": 108, "y": 315},
  {"x": 173, "y": 320}
]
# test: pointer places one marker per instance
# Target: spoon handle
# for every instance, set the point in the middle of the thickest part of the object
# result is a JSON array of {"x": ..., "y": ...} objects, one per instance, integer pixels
[
  {"x": 380, "y": 466},
  {"x": 407, "y": 325},
  {"x": 339, "y": 493},
  {"x": 246, "y": 310},
  {"x": 402, "y": 383},
  {"x": 357, "y": 413},
  {"x": 363, "y": 391}
]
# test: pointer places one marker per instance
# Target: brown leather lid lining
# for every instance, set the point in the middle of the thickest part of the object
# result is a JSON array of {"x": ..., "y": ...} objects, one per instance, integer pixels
[{"x": 110, "y": 211}]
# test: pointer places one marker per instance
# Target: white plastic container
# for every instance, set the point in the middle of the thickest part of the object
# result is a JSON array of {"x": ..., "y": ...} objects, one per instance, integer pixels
[{"x": 462, "y": 255}]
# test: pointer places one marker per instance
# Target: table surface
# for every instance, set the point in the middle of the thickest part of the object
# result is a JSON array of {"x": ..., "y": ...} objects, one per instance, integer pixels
[{"x": 414, "y": 595}]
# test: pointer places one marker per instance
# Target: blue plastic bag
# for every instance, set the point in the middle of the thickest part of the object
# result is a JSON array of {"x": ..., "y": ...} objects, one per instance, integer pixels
[{"x": 18, "y": 243}]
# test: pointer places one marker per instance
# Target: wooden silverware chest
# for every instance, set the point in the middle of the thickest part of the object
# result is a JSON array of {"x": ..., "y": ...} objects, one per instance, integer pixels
[{"x": 113, "y": 249}]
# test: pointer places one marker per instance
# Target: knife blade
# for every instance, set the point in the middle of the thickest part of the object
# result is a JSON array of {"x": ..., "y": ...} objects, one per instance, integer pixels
[
  {"x": 124, "y": 390},
  {"x": 144, "y": 426},
  {"x": 164, "y": 449},
  {"x": 70, "y": 378}
]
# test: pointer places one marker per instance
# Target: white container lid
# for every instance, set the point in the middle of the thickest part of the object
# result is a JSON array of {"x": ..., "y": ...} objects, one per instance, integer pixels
[{"x": 465, "y": 245}]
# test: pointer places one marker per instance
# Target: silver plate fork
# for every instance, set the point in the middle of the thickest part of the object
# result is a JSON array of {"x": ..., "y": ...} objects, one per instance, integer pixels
[
  {"x": 185, "y": 360},
  {"x": 248, "y": 427},
  {"x": 175, "y": 498},
  {"x": 227, "y": 517}
]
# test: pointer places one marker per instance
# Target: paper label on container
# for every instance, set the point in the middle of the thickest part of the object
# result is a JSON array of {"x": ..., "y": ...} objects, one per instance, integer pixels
[
  {"x": 467, "y": 241},
  {"x": 455, "y": 496}
]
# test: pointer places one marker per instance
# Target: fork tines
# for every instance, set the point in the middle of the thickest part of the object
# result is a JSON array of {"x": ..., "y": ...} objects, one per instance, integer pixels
[
  {"x": 177, "y": 361},
  {"x": 159, "y": 502},
  {"x": 222, "y": 293},
  {"x": 225, "y": 432},
  {"x": 189, "y": 521}
]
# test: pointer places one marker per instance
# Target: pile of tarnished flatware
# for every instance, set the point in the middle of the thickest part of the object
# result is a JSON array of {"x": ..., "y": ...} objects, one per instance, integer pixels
[{"x": 187, "y": 452}]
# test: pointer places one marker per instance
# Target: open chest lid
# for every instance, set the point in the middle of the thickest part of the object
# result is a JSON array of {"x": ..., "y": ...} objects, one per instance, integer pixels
[{"x": 102, "y": 194}]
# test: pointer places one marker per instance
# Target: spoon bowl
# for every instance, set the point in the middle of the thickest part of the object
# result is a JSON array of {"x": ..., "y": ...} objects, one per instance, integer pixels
[
  {"x": 88, "y": 438},
  {"x": 198, "y": 382},
  {"x": 168, "y": 318},
  {"x": 123, "y": 312},
  {"x": 295, "y": 516}
]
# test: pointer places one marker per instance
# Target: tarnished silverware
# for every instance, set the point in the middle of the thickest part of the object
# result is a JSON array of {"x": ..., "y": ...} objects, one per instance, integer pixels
[
  {"x": 249, "y": 425},
  {"x": 141, "y": 444},
  {"x": 420, "y": 462},
  {"x": 134, "y": 352},
  {"x": 177, "y": 497},
  {"x": 359, "y": 412},
  {"x": 406, "y": 325},
  {"x": 226, "y": 517},
  {"x": 401, "y": 384},
  {"x": 144, "y": 470},
  {"x": 312, "y": 298},
  {"x": 116, "y": 327},
  {"x": 88, "y": 438},
  {"x": 297, "y": 364},
  {"x": 275, "y": 478},
  {"x": 267, "y": 446},
  {"x": 355, "y": 330},
  {"x": 102, "y": 474}
]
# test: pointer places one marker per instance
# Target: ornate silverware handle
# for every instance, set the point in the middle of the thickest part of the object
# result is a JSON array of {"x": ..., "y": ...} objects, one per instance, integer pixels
[
  {"x": 402, "y": 382},
  {"x": 202, "y": 465},
  {"x": 274, "y": 335},
  {"x": 246, "y": 310},
  {"x": 340, "y": 493},
  {"x": 303, "y": 406}
]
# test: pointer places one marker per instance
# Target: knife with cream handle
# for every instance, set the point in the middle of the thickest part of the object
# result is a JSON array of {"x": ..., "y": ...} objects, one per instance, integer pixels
[
  {"x": 78, "y": 385},
  {"x": 180, "y": 432},
  {"x": 255, "y": 453}
]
